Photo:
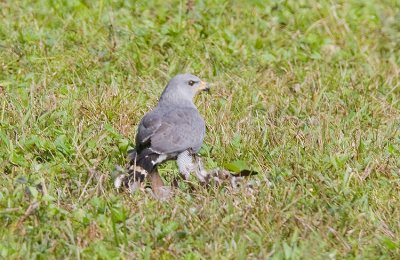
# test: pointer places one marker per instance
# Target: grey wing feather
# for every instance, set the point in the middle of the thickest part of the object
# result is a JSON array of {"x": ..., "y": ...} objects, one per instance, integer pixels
[
  {"x": 173, "y": 131},
  {"x": 147, "y": 127},
  {"x": 180, "y": 130}
]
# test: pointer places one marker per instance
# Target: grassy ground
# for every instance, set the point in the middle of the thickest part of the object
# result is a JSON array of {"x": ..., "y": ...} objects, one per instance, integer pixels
[{"x": 307, "y": 92}]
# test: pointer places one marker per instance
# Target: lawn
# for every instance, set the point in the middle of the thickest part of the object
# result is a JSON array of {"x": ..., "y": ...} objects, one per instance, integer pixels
[{"x": 305, "y": 92}]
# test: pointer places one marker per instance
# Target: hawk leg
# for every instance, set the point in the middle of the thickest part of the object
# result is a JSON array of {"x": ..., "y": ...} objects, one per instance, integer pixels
[
  {"x": 160, "y": 191},
  {"x": 155, "y": 179},
  {"x": 185, "y": 164},
  {"x": 188, "y": 163}
]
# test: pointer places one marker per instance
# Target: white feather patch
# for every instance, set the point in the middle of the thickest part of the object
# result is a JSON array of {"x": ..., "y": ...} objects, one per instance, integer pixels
[
  {"x": 118, "y": 181},
  {"x": 160, "y": 159}
]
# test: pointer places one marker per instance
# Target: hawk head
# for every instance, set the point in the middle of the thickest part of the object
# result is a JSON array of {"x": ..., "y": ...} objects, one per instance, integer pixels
[{"x": 184, "y": 87}]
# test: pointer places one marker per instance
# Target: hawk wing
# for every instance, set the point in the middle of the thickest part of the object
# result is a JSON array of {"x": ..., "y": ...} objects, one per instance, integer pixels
[{"x": 171, "y": 131}]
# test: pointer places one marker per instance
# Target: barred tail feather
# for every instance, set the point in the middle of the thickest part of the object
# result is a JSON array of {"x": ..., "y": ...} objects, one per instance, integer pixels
[{"x": 140, "y": 165}]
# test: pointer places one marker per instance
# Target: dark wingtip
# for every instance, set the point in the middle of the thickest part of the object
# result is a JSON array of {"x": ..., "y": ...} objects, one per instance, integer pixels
[
  {"x": 131, "y": 155},
  {"x": 245, "y": 173}
]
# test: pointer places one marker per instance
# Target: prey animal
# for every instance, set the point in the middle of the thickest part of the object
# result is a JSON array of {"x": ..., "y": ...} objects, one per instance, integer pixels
[{"x": 173, "y": 130}]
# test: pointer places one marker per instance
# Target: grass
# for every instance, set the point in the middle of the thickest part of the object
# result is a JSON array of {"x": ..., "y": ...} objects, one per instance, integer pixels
[{"x": 307, "y": 92}]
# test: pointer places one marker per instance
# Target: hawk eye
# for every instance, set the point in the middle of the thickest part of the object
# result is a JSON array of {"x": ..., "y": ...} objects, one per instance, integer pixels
[{"x": 191, "y": 82}]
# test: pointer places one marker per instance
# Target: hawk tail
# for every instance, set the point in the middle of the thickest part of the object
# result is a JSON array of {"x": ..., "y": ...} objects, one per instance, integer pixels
[{"x": 140, "y": 165}]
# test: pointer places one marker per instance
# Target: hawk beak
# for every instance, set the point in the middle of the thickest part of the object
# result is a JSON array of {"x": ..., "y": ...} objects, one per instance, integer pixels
[{"x": 204, "y": 86}]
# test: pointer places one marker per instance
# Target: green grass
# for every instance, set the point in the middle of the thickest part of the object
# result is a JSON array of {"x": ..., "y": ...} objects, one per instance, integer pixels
[{"x": 307, "y": 92}]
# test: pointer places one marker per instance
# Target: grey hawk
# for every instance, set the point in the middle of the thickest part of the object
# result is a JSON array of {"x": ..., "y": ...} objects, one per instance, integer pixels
[{"x": 173, "y": 130}]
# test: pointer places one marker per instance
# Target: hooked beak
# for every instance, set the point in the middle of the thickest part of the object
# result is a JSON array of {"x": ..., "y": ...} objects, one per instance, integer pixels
[{"x": 204, "y": 86}]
